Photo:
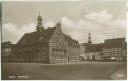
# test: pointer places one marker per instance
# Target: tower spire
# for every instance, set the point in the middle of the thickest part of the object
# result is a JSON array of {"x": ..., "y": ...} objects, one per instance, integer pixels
[
  {"x": 39, "y": 27},
  {"x": 89, "y": 39}
]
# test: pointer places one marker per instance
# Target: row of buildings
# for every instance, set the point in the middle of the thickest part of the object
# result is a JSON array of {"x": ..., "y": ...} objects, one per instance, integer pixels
[
  {"x": 111, "y": 50},
  {"x": 51, "y": 45}
]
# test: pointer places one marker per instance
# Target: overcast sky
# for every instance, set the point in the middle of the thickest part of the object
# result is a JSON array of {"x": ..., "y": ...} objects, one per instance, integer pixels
[{"x": 103, "y": 19}]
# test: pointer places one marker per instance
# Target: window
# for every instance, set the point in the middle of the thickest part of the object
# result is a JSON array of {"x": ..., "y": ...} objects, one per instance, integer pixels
[
  {"x": 119, "y": 53},
  {"x": 43, "y": 58},
  {"x": 61, "y": 57},
  {"x": 65, "y": 50},
  {"x": 124, "y": 53},
  {"x": 56, "y": 57},
  {"x": 42, "y": 50},
  {"x": 61, "y": 50},
  {"x": 54, "y": 49},
  {"x": 121, "y": 58},
  {"x": 57, "y": 49},
  {"x": 113, "y": 53}
]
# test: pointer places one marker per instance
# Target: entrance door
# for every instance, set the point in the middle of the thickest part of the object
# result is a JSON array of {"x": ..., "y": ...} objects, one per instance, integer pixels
[{"x": 68, "y": 58}]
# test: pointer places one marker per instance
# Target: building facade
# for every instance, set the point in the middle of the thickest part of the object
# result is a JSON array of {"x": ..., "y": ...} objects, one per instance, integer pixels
[
  {"x": 111, "y": 50},
  {"x": 6, "y": 52},
  {"x": 92, "y": 52},
  {"x": 115, "y": 50},
  {"x": 73, "y": 49},
  {"x": 49, "y": 45}
]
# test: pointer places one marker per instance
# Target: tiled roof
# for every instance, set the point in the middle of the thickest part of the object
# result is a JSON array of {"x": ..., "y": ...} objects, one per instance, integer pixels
[
  {"x": 94, "y": 48},
  {"x": 35, "y": 37},
  {"x": 6, "y": 44},
  {"x": 116, "y": 40},
  {"x": 71, "y": 42},
  {"x": 108, "y": 43},
  {"x": 114, "y": 43}
]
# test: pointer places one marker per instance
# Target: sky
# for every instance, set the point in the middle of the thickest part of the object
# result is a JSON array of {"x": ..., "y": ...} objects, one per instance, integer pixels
[{"x": 103, "y": 19}]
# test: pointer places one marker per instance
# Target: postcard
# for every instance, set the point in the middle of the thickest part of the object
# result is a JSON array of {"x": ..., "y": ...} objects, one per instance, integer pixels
[{"x": 64, "y": 40}]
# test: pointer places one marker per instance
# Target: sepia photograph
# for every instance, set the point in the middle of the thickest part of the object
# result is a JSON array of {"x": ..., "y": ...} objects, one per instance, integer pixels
[{"x": 64, "y": 40}]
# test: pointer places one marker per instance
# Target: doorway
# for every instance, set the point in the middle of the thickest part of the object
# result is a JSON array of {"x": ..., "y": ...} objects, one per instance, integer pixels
[{"x": 68, "y": 58}]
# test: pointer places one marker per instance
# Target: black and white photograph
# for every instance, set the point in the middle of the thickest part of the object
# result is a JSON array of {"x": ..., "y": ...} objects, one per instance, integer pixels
[{"x": 64, "y": 40}]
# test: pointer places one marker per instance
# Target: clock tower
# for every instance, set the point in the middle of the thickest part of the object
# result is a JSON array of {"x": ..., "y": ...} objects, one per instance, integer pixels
[
  {"x": 89, "y": 39},
  {"x": 39, "y": 26}
]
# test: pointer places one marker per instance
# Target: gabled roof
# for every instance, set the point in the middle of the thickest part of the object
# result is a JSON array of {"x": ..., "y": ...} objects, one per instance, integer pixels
[
  {"x": 35, "y": 37},
  {"x": 114, "y": 43},
  {"x": 71, "y": 42},
  {"x": 116, "y": 40}
]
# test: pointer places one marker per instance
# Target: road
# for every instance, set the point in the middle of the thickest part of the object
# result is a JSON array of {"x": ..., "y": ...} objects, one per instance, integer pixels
[{"x": 35, "y": 71}]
